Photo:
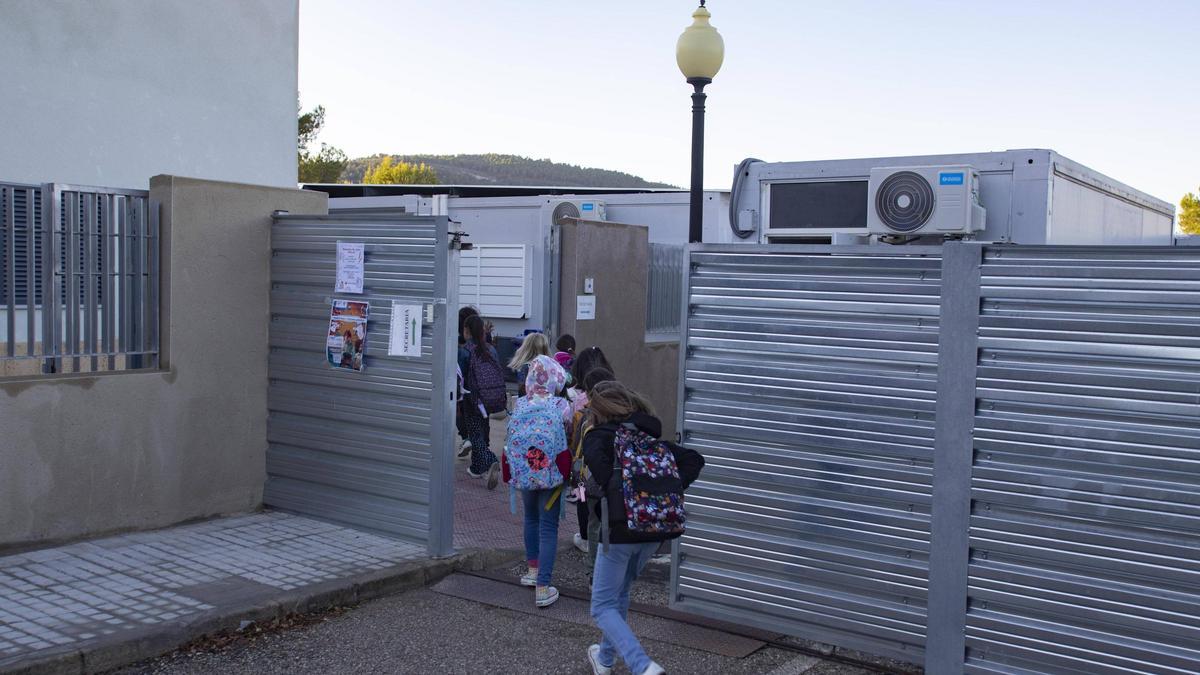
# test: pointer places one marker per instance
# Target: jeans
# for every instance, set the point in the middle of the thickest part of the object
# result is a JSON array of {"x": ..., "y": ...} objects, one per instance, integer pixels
[
  {"x": 541, "y": 532},
  {"x": 616, "y": 568}
]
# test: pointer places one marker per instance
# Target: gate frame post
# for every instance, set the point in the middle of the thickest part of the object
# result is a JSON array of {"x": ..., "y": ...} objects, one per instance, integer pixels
[
  {"x": 685, "y": 311},
  {"x": 953, "y": 455},
  {"x": 443, "y": 396}
]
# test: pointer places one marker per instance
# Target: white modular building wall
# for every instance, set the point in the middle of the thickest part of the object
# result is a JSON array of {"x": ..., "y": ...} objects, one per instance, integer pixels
[
  {"x": 112, "y": 93},
  {"x": 1032, "y": 197},
  {"x": 525, "y": 220}
]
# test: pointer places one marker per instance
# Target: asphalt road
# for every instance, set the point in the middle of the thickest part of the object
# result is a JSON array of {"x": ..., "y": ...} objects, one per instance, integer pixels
[{"x": 425, "y": 632}]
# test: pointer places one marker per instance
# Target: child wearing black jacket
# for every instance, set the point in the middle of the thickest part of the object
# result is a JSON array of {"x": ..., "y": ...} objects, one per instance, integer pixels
[{"x": 625, "y": 553}]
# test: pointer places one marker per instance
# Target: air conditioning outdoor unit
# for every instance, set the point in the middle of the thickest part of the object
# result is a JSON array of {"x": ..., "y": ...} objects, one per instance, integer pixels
[
  {"x": 585, "y": 209},
  {"x": 923, "y": 200}
]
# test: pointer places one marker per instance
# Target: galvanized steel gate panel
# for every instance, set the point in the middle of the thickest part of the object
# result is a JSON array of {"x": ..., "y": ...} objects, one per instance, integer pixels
[
  {"x": 369, "y": 449},
  {"x": 808, "y": 384},
  {"x": 1085, "y": 485},
  {"x": 1025, "y": 446}
]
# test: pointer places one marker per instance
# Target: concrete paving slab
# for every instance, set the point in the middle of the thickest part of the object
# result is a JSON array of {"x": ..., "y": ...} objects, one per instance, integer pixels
[{"x": 90, "y": 606}]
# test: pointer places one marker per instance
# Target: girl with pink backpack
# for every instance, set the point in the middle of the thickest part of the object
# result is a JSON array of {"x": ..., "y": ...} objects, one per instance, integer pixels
[{"x": 536, "y": 460}]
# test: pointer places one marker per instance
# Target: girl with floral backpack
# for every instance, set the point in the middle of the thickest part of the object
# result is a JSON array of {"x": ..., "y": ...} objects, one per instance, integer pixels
[
  {"x": 642, "y": 480},
  {"x": 536, "y": 462}
]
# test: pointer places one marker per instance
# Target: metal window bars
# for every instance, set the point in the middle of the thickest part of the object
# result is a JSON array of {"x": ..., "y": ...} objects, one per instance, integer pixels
[
  {"x": 79, "y": 279},
  {"x": 664, "y": 289}
]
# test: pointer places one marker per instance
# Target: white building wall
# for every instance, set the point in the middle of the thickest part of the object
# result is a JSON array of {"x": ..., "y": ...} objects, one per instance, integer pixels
[{"x": 113, "y": 92}]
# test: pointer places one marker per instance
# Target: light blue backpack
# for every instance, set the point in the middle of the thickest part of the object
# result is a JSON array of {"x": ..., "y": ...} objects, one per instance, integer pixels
[{"x": 536, "y": 436}]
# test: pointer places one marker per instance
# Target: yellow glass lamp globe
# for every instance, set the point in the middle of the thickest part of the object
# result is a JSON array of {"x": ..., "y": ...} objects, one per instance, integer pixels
[{"x": 700, "y": 49}]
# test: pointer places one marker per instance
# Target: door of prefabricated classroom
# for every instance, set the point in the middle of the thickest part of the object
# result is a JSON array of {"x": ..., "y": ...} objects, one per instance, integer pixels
[{"x": 369, "y": 449}]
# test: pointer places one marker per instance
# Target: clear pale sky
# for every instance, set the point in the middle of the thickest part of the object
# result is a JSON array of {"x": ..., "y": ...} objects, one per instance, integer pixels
[{"x": 1114, "y": 85}]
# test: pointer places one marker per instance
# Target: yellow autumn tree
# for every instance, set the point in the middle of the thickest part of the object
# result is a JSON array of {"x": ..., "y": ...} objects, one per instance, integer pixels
[
  {"x": 387, "y": 172},
  {"x": 1189, "y": 213}
]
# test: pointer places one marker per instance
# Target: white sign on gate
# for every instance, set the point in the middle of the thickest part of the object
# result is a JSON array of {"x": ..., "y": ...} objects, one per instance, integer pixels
[
  {"x": 350, "y": 264},
  {"x": 405, "y": 339}
]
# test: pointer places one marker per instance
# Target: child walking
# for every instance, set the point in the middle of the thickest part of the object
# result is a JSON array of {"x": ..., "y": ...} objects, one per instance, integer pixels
[
  {"x": 565, "y": 351},
  {"x": 589, "y": 368},
  {"x": 621, "y": 451},
  {"x": 480, "y": 367},
  {"x": 536, "y": 460},
  {"x": 533, "y": 346}
]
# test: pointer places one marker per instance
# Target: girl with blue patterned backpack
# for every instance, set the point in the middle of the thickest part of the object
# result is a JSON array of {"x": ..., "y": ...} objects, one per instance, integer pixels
[{"x": 536, "y": 461}]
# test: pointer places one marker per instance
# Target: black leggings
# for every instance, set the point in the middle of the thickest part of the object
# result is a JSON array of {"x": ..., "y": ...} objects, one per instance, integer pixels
[{"x": 581, "y": 513}]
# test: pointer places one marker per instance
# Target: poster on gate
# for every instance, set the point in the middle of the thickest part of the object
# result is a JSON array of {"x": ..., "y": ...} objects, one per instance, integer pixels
[
  {"x": 350, "y": 265},
  {"x": 347, "y": 339}
]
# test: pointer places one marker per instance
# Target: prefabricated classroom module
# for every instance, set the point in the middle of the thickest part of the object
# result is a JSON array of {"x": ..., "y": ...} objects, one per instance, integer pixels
[
  {"x": 510, "y": 273},
  {"x": 1015, "y": 196}
]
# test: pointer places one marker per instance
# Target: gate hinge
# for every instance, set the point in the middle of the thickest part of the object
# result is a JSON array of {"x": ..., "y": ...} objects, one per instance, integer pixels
[{"x": 456, "y": 241}]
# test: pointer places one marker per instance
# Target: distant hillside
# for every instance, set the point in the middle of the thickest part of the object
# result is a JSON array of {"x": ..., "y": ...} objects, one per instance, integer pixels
[{"x": 494, "y": 169}]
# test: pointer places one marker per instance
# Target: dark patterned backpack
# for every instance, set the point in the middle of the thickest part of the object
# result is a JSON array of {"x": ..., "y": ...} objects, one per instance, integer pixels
[
  {"x": 650, "y": 483},
  {"x": 486, "y": 382}
]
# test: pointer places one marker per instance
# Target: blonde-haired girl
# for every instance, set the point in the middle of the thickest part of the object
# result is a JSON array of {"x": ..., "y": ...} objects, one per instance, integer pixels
[{"x": 533, "y": 346}]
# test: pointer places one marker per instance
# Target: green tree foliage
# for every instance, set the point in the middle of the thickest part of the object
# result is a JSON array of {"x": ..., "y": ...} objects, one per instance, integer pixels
[
  {"x": 309, "y": 125},
  {"x": 1189, "y": 214},
  {"x": 324, "y": 166},
  {"x": 387, "y": 172}
]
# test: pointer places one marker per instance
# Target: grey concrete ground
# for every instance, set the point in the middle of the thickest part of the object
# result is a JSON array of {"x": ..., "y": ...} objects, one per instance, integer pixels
[{"x": 424, "y": 631}]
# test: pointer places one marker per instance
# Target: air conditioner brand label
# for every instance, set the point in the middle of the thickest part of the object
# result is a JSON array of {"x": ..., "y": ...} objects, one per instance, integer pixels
[
  {"x": 588, "y": 206},
  {"x": 955, "y": 178}
]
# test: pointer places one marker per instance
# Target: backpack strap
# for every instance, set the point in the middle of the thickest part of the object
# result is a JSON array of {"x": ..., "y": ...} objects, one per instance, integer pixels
[
  {"x": 554, "y": 497},
  {"x": 605, "y": 528}
]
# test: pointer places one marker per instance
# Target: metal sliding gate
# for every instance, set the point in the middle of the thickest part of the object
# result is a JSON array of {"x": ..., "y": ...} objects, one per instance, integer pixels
[
  {"x": 981, "y": 458},
  {"x": 369, "y": 449}
]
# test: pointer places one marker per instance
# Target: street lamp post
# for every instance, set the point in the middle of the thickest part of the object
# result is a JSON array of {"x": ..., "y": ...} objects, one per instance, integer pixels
[{"x": 699, "y": 53}]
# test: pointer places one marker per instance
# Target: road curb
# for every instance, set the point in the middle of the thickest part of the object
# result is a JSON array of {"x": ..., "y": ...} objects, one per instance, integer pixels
[{"x": 126, "y": 647}]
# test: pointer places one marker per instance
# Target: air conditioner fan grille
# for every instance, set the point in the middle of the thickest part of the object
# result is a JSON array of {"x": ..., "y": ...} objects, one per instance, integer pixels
[
  {"x": 562, "y": 211},
  {"x": 904, "y": 201}
]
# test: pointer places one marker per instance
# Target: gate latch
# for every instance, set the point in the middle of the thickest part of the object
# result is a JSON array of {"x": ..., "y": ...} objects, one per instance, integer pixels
[{"x": 456, "y": 241}]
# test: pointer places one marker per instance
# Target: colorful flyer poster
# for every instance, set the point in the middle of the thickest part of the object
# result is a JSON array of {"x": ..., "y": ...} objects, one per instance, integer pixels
[
  {"x": 347, "y": 339},
  {"x": 405, "y": 339},
  {"x": 350, "y": 263}
]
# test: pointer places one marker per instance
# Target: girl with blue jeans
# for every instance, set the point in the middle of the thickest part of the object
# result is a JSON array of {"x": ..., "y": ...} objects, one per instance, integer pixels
[
  {"x": 536, "y": 447},
  {"x": 624, "y": 553}
]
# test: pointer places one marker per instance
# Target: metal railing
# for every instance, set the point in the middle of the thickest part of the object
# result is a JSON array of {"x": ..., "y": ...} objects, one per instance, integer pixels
[
  {"x": 79, "y": 279},
  {"x": 664, "y": 289}
]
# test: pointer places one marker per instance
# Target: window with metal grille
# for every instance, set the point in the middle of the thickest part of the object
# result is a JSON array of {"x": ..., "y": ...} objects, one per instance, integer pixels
[
  {"x": 78, "y": 280},
  {"x": 664, "y": 290}
]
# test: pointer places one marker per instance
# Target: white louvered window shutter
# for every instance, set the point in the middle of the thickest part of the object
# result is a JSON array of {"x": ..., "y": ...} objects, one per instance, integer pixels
[{"x": 494, "y": 278}]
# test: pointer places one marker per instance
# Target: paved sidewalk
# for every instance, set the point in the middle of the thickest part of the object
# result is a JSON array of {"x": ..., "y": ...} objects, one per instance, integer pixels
[
  {"x": 90, "y": 605},
  {"x": 482, "y": 518}
]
